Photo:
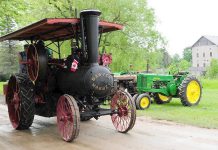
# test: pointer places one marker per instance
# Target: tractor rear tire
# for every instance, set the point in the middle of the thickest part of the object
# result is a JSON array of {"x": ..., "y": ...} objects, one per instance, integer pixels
[
  {"x": 190, "y": 91},
  {"x": 20, "y": 101},
  {"x": 143, "y": 101},
  {"x": 161, "y": 99}
]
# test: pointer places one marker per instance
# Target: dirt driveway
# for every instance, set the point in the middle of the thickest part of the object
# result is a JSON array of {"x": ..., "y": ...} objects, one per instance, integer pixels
[{"x": 147, "y": 134}]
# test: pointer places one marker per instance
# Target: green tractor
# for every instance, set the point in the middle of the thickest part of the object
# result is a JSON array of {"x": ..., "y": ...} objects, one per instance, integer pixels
[{"x": 164, "y": 87}]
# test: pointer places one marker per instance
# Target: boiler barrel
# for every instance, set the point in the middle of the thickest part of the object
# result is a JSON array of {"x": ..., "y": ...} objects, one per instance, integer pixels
[{"x": 92, "y": 80}]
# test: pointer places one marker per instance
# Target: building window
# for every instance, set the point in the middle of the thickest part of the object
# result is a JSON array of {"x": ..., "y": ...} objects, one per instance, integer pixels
[
  {"x": 197, "y": 65},
  {"x": 211, "y": 54},
  {"x": 197, "y": 55},
  {"x": 204, "y": 65},
  {"x": 203, "y": 54}
]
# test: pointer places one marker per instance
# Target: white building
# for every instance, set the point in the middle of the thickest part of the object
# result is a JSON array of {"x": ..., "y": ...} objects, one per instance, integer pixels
[{"x": 203, "y": 51}]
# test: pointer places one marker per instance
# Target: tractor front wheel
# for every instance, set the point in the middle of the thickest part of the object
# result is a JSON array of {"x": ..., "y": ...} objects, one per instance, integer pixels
[
  {"x": 20, "y": 101},
  {"x": 123, "y": 104},
  {"x": 161, "y": 99},
  {"x": 143, "y": 101},
  {"x": 190, "y": 91},
  {"x": 68, "y": 118}
]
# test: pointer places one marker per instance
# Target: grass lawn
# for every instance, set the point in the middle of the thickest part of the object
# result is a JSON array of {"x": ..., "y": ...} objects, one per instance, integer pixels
[
  {"x": 203, "y": 115},
  {"x": 209, "y": 84}
]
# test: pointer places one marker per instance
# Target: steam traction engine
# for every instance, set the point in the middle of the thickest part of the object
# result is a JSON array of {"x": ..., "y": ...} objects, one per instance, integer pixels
[{"x": 72, "y": 88}]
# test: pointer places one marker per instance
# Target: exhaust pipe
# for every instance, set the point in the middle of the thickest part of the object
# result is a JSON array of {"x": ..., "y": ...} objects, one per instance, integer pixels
[{"x": 89, "y": 20}]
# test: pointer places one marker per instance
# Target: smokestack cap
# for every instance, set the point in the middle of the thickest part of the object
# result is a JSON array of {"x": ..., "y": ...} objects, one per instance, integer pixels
[{"x": 90, "y": 12}]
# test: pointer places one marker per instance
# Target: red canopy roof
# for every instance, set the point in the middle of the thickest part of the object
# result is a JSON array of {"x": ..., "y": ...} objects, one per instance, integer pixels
[{"x": 55, "y": 29}]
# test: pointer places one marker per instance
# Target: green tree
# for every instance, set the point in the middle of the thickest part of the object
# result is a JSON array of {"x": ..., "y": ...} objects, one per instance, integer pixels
[
  {"x": 212, "y": 71},
  {"x": 187, "y": 54},
  {"x": 166, "y": 58},
  {"x": 8, "y": 51},
  {"x": 136, "y": 43},
  {"x": 176, "y": 58},
  {"x": 139, "y": 43},
  {"x": 182, "y": 65},
  {"x": 13, "y": 9},
  {"x": 10, "y": 12}
]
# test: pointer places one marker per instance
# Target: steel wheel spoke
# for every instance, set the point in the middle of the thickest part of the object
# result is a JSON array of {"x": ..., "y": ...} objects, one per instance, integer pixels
[
  {"x": 66, "y": 114},
  {"x": 124, "y": 119}
]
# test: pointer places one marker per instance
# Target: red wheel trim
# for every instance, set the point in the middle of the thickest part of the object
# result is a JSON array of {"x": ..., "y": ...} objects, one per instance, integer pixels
[
  {"x": 14, "y": 105},
  {"x": 65, "y": 118},
  {"x": 122, "y": 119}
]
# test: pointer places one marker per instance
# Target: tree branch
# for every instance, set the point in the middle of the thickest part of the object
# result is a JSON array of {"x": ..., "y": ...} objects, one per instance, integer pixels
[{"x": 58, "y": 8}]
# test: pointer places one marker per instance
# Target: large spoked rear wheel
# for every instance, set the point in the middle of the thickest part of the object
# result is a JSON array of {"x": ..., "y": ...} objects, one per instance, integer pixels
[
  {"x": 161, "y": 99},
  {"x": 68, "y": 118},
  {"x": 37, "y": 62},
  {"x": 190, "y": 91},
  {"x": 20, "y": 101},
  {"x": 33, "y": 66},
  {"x": 123, "y": 103}
]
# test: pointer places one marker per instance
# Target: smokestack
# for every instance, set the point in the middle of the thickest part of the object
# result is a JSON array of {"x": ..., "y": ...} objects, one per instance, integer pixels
[{"x": 89, "y": 31}]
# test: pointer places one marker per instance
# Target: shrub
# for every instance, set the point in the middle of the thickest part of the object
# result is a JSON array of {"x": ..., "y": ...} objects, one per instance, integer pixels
[{"x": 212, "y": 71}]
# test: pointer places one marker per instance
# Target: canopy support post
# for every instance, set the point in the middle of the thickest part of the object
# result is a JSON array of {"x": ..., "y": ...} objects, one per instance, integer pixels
[{"x": 59, "y": 50}]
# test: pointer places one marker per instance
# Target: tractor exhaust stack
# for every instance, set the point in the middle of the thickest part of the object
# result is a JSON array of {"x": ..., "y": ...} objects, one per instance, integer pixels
[{"x": 89, "y": 31}]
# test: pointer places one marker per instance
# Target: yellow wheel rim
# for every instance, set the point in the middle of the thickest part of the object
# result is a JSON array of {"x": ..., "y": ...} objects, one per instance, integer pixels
[
  {"x": 144, "y": 102},
  {"x": 193, "y": 92},
  {"x": 163, "y": 97}
]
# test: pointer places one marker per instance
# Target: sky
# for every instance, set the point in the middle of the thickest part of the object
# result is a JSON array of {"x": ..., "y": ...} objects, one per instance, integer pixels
[{"x": 183, "y": 22}]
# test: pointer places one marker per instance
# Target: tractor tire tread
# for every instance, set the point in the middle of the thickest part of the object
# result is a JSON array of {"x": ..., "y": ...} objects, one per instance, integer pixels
[
  {"x": 182, "y": 90},
  {"x": 27, "y": 101}
]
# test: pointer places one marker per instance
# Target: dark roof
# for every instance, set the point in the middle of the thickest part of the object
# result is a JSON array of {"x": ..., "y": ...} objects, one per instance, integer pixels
[
  {"x": 55, "y": 29},
  {"x": 213, "y": 39}
]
